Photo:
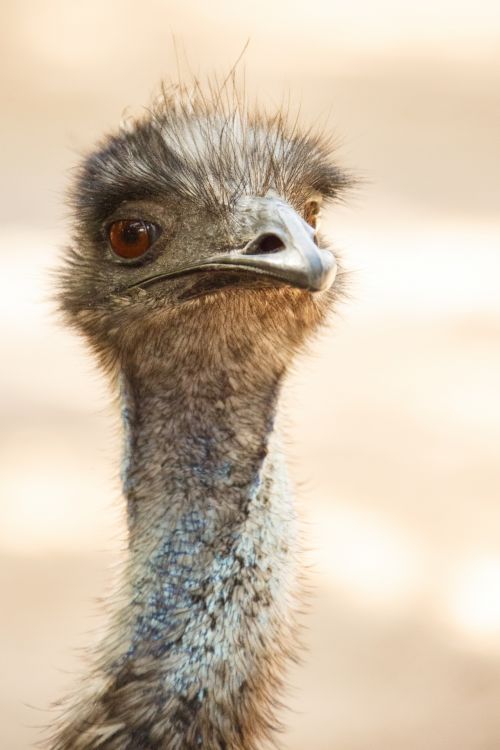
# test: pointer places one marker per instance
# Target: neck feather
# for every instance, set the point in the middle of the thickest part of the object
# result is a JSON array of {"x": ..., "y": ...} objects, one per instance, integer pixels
[{"x": 196, "y": 650}]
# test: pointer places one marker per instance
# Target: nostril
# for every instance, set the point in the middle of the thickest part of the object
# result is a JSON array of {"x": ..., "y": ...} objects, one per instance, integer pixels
[{"x": 268, "y": 243}]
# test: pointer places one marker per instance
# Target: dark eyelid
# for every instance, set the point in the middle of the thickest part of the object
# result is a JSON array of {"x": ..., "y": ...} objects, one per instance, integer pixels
[{"x": 128, "y": 213}]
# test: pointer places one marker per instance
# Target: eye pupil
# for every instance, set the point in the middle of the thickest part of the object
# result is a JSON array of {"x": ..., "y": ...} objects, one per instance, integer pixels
[
  {"x": 130, "y": 238},
  {"x": 132, "y": 232}
]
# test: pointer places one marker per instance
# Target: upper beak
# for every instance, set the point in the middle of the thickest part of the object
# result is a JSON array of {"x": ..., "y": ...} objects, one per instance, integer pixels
[{"x": 283, "y": 248}]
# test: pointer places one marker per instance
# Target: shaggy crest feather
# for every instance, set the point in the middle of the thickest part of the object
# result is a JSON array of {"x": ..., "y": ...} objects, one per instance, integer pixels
[{"x": 210, "y": 147}]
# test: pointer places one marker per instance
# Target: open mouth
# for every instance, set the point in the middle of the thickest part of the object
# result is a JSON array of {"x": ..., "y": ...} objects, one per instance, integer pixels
[
  {"x": 213, "y": 277},
  {"x": 210, "y": 283}
]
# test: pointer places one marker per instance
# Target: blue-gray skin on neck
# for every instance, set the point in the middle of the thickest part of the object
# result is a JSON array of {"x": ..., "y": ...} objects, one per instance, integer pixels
[{"x": 203, "y": 515}]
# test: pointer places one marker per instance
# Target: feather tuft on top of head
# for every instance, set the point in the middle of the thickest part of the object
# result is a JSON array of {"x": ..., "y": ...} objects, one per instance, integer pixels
[{"x": 208, "y": 145}]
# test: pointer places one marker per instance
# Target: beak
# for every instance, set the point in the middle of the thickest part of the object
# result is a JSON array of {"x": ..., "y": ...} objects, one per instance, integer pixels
[{"x": 284, "y": 248}]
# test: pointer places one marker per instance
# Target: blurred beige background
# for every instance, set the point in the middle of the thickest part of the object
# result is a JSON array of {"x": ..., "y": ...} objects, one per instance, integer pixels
[{"x": 395, "y": 419}]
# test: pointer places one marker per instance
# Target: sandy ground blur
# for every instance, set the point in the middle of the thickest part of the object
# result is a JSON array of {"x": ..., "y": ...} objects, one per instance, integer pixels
[{"x": 395, "y": 415}]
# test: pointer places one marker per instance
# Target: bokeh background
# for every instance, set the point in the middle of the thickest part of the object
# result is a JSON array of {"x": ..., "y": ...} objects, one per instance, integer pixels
[{"x": 395, "y": 417}]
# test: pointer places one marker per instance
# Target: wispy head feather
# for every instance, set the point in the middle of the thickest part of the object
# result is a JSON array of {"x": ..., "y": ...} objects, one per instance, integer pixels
[{"x": 208, "y": 145}]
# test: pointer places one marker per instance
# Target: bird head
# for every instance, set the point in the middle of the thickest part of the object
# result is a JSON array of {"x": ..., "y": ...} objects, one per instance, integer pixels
[{"x": 196, "y": 226}]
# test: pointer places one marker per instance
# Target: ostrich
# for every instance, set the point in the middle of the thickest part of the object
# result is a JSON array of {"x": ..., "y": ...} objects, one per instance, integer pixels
[{"x": 195, "y": 275}]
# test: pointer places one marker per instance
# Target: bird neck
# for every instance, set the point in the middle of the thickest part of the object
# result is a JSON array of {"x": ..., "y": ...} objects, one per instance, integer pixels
[
  {"x": 207, "y": 622},
  {"x": 194, "y": 445}
]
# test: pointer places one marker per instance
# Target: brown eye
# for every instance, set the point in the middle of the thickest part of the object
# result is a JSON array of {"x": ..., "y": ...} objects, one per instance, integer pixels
[
  {"x": 130, "y": 238},
  {"x": 311, "y": 213}
]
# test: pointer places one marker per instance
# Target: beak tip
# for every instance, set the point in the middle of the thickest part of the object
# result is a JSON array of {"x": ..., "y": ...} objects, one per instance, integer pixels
[{"x": 322, "y": 274}]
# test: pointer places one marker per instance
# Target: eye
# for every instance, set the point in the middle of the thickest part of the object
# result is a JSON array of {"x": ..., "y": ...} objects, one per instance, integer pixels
[
  {"x": 131, "y": 238},
  {"x": 312, "y": 211}
]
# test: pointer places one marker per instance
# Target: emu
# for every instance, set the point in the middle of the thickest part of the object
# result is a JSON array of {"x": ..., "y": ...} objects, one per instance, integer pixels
[{"x": 196, "y": 273}]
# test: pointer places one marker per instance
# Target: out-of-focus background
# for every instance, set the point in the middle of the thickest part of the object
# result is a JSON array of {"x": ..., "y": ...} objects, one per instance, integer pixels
[{"x": 395, "y": 419}]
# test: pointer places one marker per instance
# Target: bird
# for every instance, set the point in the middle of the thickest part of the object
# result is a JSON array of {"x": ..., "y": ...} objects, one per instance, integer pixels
[{"x": 196, "y": 273}]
